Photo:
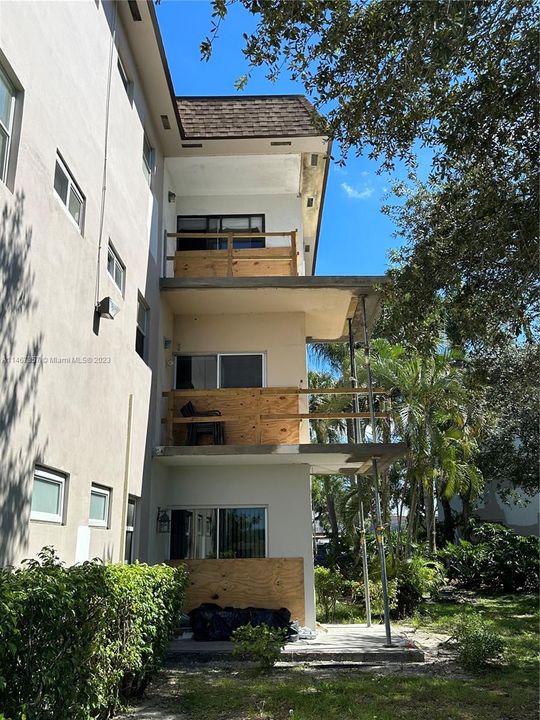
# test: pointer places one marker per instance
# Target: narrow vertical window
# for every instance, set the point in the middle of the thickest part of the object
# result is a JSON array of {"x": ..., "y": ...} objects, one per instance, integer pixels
[
  {"x": 7, "y": 110},
  {"x": 116, "y": 268},
  {"x": 68, "y": 192},
  {"x": 123, "y": 74},
  {"x": 130, "y": 529},
  {"x": 148, "y": 158},
  {"x": 100, "y": 500},
  {"x": 142, "y": 328}
]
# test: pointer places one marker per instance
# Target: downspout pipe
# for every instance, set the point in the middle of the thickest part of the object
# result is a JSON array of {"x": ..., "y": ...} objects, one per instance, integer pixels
[
  {"x": 379, "y": 529},
  {"x": 105, "y": 151},
  {"x": 357, "y": 439}
]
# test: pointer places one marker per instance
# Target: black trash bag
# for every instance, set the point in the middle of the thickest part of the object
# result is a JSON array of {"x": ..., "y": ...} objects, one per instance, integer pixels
[
  {"x": 225, "y": 622},
  {"x": 212, "y": 622},
  {"x": 272, "y": 618},
  {"x": 200, "y": 618}
]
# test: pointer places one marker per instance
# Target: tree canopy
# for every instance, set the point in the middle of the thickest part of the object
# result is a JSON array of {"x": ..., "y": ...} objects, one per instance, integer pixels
[{"x": 389, "y": 77}]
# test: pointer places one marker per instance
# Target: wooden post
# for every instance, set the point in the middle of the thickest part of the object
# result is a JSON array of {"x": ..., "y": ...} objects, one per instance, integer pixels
[
  {"x": 230, "y": 254},
  {"x": 170, "y": 418},
  {"x": 294, "y": 253},
  {"x": 258, "y": 422}
]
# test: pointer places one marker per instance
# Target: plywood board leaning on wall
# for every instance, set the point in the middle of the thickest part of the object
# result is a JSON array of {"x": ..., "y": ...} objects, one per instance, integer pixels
[{"x": 255, "y": 582}]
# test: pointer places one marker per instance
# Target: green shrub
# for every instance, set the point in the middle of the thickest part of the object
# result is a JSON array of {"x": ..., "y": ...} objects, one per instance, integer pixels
[
  {"x": 75, "y": 641},
  {"x": 477, "y": 643},
  {"x": 330, "y": 586},
  {"x": 261, "y": 644},
  {"x": 375, "y": 595},
  {"x": 498, "y": 559},
  {"x": 417, "y": 578}
]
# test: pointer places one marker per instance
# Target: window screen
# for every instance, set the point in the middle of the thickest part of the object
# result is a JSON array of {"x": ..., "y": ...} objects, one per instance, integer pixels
[
  {"x": 242, "y": 533},
  {"x": 198, "y": 372},
  {"x": 238, "y": 371},
  {"x": 194, "y": 534}
]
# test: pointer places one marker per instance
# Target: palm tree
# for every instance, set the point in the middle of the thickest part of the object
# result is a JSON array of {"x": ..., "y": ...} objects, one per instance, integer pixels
[
  {"x": 326, "y": 431},
  {"x": 431, "y": 414},
  {"x": 432, "y": 411}
]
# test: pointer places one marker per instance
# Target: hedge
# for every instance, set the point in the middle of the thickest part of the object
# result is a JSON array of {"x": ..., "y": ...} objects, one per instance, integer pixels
[
  {"x": 497, "y": 559},
  {"x": 76, "y": 641}
]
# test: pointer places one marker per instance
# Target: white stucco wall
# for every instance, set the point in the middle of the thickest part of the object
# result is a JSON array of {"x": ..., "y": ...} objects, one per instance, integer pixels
[
  {"x": 73, "y": 416},
  {"x": 283, "y": 489},
  {"x": 280, "y": 335}
]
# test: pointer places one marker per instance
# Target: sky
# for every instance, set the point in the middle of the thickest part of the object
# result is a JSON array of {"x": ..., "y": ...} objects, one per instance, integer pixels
[{"x": 355, "y": 235}]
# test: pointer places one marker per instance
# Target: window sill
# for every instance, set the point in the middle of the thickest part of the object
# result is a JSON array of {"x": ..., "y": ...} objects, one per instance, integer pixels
[{"x": 42, "y": 518}]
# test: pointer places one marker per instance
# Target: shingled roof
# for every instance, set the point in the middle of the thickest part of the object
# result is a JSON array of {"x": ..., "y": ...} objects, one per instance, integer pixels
[{"x": 246, "y": 116}]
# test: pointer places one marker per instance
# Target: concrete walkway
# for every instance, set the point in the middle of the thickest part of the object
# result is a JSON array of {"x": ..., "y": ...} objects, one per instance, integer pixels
[{"x": 334, "y": 643}]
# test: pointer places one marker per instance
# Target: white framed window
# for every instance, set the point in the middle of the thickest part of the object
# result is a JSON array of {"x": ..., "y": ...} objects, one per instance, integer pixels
[
  {"x": 116, "y": 268},
  {"x": 131, "y": 519},
  {"x": 148, "y": 158},
  {"x": 218, "y": 533},
  {"x": 126, "y": 82},
  {"x": 7, "y": 113},
  {"x": 220, "y": 370},
  {"x": 141, "y": 335},
  {"x": 68, "y": 192},
  {"x": 48, "y": 496},
  {"x": 100, "y": 501}
]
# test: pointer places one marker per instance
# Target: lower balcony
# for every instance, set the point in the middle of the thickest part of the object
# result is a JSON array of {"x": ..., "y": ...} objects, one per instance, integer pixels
[{"x": 250, "y": 416}]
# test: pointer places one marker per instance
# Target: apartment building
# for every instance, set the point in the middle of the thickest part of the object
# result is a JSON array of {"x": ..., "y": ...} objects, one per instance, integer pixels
[
  {"x": 158, "y": 257},
  {"x": 85, "y": 102}
]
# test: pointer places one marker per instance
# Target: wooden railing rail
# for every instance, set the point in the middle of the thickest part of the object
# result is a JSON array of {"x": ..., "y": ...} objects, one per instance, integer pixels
[
  {"x": 251, "y": 408},
  {"x": 231, "y": 255}
]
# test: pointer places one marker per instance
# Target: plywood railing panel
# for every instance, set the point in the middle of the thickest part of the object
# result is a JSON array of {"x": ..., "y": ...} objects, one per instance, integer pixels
[
  {"x": 241, "y": 410},
  {"x": 237, "y": 262},
  {"x": 255, "y": 416},
  {"x": 255, "y": 582}
]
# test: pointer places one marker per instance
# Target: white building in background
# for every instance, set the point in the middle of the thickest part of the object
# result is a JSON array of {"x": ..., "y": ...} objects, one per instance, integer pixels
[{"x": 157, "y": 258}]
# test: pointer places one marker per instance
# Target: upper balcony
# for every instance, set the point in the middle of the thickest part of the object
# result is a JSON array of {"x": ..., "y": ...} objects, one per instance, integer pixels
[{"x": 234, "y": 254}]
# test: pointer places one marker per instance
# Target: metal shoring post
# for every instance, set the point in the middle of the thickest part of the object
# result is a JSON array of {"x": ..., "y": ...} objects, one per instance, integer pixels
[
  {"x": 357, "y": 436},
  {"x": 379, "y": 529}
]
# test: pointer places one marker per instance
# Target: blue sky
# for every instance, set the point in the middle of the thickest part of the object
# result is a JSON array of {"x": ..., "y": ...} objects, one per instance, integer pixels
[{"x": 352, "y": 220}]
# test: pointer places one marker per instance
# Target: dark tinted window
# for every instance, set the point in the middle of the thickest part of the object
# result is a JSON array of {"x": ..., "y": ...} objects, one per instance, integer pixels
[{"x": 237, "y": 371}]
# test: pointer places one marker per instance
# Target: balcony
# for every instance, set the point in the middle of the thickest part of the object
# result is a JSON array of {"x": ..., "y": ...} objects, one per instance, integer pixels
[
  {"x": 232, "y": 254},
  {"x": 255, "y": 416}
]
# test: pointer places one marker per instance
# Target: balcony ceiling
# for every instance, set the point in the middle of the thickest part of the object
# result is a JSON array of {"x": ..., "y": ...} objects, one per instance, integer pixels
[
  {"x": 345, "y": 459},
  {"x": 235, "y": 175},
  {"x": 326, "y": 301}
]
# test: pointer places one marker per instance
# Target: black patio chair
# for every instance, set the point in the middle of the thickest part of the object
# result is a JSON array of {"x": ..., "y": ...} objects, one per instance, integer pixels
[{"x": 202, "y": 428}]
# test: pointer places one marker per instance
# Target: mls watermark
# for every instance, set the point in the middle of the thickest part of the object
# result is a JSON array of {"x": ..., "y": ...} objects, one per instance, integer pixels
[{"x": 57, "y": 360}]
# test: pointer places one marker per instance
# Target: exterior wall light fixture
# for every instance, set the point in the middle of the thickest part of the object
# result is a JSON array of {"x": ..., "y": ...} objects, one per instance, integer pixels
[
  {"x": 106, "y": 308},
  {"x": 171, "y": 196},
  {"x": 163, "y": 521}
]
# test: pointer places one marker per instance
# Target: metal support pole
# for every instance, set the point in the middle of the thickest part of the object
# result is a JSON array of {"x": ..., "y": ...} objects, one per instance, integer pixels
[
  {"x": 379, "y": 529},
  {"x": 357, "y": 438},
  {"x": 364, "y": 559}
]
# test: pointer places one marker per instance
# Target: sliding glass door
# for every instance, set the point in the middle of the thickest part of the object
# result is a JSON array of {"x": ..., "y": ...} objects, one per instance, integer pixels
[
  {"x": 223, "y": 533},
  {"x": 222, "y": 370}
]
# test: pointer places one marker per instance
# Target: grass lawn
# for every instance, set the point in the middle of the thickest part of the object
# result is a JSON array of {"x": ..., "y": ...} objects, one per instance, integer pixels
[{"x": 509, "y": 692}]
